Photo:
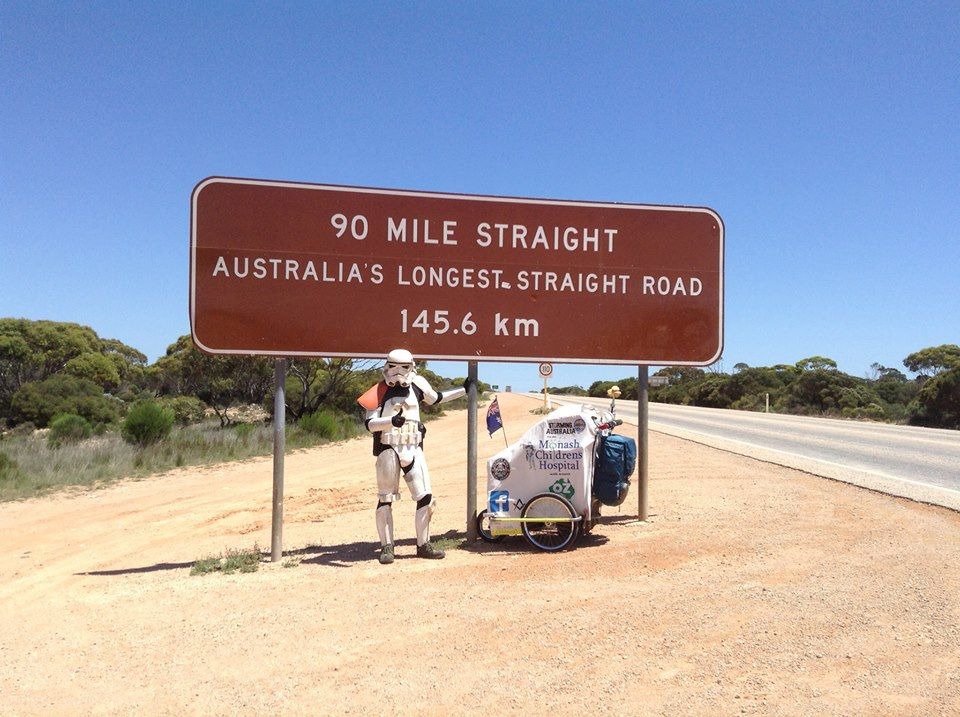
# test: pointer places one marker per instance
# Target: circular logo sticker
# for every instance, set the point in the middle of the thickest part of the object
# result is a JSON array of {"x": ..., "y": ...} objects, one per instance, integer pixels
[
  {"x": 579, "y": 424},
  {"x": 500, "y": 469}
]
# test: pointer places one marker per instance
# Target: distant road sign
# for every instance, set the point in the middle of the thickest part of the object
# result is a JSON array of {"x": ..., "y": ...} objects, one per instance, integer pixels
[
  {"x": 546, "y": 370},
  {"x": 288, "y": 269}
]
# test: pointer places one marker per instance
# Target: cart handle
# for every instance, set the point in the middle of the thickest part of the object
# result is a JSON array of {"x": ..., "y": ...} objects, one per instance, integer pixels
[{"x": 575, "y": 519}]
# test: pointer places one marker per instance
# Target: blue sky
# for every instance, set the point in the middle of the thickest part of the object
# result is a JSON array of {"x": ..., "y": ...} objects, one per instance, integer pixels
[{"x": 827, "y": 136}]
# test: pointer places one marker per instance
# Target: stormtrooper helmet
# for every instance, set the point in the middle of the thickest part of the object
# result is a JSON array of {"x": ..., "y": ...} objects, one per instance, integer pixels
[{"x": 399, "y": 369}]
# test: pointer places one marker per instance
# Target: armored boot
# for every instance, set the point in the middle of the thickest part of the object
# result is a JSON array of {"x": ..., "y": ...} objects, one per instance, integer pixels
[
  {"x": 385, "y": 529},
  {"x": 429, "y": 550},
  {"x": 426, "y": 549}
]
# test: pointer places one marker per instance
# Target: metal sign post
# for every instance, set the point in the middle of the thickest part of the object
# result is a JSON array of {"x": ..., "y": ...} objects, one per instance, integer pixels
[
  {"x": 642, "y": 416},
  {"x": 279, "y": 446},
  {"x": 546, "y": 371},
  {"x": 472, "y": 452}
]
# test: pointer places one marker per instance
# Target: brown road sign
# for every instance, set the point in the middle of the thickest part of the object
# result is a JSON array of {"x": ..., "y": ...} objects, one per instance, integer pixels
[{"x": 288, "y": 269}]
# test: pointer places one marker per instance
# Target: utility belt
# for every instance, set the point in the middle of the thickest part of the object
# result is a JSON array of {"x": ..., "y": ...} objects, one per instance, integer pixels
[{"x": 407, "y": 435}]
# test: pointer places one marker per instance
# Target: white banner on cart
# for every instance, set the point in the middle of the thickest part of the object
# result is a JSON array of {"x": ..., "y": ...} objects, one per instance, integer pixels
[{"x": 554, "y": 456}]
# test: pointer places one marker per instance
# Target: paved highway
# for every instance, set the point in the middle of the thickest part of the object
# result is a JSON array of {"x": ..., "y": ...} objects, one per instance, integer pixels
[{"x": 918, "y": 463}]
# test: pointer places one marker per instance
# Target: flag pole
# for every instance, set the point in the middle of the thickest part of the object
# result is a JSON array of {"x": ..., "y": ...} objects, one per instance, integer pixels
[{"x": 500, "y": 417}]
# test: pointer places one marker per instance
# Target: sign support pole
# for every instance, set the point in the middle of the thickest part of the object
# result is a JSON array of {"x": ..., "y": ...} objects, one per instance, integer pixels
[
  {"x": 472, "y": 452},
  {"x": 643, "y": 382},
  {"x": 279, "y": 446}
]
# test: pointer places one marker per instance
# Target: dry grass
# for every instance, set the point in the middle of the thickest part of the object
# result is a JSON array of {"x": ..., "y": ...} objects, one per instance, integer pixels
[{"x": 31, "y": 467}]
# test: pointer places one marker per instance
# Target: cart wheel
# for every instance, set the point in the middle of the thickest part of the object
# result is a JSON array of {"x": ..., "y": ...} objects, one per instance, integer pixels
[
  {"x": 553, "y": 528},
  {"x": 483, "y": 528}
]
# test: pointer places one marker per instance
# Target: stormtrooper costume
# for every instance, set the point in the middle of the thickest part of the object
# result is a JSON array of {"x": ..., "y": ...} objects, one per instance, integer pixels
[{"x": 393, "y": 417}]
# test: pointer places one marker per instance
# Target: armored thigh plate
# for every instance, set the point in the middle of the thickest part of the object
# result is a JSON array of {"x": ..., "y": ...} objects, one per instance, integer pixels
[{"x": 388, "y": 477}]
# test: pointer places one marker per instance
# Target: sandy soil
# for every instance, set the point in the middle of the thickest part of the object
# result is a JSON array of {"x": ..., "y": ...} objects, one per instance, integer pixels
[{"x": 752, "y": 589}]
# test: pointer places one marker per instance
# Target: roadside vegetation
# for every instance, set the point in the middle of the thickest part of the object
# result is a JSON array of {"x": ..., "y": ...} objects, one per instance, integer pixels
[
  {"x": 230, "y": 561},
  {"x": 30, "y": 465},
  {"x": 80, "y": 410},
  {"x": 814, "y": 386}
]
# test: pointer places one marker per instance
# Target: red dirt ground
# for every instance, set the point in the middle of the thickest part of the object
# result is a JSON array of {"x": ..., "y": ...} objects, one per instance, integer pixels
[{"x": 752, "y": 589}]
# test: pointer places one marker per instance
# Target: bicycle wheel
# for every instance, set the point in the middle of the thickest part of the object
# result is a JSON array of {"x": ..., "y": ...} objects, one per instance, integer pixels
[
  {"x": 483, "y": 528},
  {"x": 549, "y": 525}
]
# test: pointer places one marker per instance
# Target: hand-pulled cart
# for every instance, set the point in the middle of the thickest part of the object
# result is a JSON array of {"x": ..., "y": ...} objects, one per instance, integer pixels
[{"x": 548, "y": 485}]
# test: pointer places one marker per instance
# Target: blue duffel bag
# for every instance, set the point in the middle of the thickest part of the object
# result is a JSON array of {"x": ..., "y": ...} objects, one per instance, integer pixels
[{"x": 616, "y": 459}]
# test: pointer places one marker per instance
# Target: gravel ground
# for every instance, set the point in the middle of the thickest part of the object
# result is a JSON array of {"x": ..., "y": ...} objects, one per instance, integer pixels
[{"x": 752, "y": 589}]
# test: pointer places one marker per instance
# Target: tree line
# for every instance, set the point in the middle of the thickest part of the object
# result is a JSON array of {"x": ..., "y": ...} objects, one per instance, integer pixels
[
  {"x": 50, "y": 369},
  {"x": 815, "y": 386}
]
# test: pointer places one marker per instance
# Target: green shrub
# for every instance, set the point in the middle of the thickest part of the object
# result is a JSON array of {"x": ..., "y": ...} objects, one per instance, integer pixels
[
  {"x": 40, "y": 401},
  {"x": 246, "y": 561},
  {"x": 349, "y": 426},
  {"x": 146, "y": 423},
  {"x": 569, "y": 391},
  {"x": 94, "y": 367},
  {"x": 243, "y": 431},
  {"x": 874, "y": 412},
  {"x": 938, "y": 402},
  {"x": 68, "y": 428},
  {"x": 9, "y": 470},
  {"x": 23, "y": 429},
  {"x": 186, "y": 409},
  {"x": 322, "y": 423}
]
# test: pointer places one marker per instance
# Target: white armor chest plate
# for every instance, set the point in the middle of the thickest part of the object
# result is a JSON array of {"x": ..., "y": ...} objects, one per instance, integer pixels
[{"x": 409, "y": 433}]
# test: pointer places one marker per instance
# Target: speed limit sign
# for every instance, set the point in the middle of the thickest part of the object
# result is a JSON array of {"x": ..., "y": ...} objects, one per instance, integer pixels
[{"x": 546, "y": 369}]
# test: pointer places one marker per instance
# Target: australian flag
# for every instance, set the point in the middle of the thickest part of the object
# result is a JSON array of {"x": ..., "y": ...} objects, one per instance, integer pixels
[{"x": 494, "y": 422}]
